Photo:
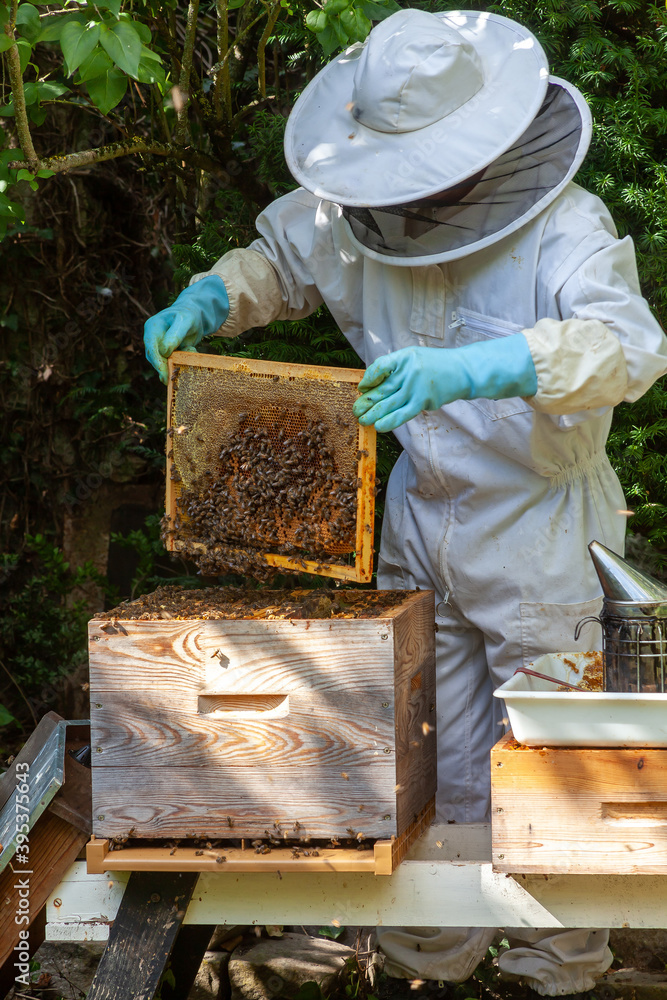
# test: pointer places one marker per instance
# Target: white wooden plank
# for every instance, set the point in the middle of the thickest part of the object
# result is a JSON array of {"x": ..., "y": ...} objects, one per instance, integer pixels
[
  {"x": 77, "y": 930},
  {"x": 419, "y": 893},
  {"x": 83, "y": 906}
]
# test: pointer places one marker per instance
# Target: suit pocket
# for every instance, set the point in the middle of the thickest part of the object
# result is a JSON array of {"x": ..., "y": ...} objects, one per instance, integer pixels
[{"x": 549, "y": 628}]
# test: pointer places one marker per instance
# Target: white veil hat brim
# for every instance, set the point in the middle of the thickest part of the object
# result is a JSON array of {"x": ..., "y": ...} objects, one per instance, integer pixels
[{"x": 338, "y": 158}]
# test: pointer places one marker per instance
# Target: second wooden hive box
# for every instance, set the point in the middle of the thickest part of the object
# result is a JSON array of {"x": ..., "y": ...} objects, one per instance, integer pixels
[{"x": 235, "y": 728}]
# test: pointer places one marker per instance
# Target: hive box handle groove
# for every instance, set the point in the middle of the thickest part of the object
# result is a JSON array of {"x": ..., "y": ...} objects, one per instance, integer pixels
[{"x": 274, "y": 706}]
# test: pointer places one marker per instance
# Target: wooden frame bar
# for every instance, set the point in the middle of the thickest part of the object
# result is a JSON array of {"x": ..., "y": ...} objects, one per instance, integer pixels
[
  {"x": 382, "y": 859},
  {"x": 362, "y": 570}
]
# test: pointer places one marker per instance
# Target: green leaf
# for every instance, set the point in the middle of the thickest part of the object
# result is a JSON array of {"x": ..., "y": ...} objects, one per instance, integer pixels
[
  {"x": 328, "y": 39},
  {"x": 49, "y": 90},
  {"x": 77, "y": 42},
  {"x": 342, "y": 37},
  {"x": 331, "y": 932},
  {"x": 141, "y": 29},
  {"x": 5, "y": 42},
  {"x": 376, "y": 11},
  {"x": 27, "y": 22},
  {"x": 112, "y": 5},
  {"x": 37, "y": 114},
  {"x": 31, "y": 93},
  {"x": 8, "y": 207},
  {"x": 355, "y": 23},
  {"x": 309, "y": 991},
  {"x": 107, "y": 90},
  {"x": 316, "y": 20},
  {"x": 53, "y": 26},
  {"x": 123, "y": 45},
  {"x": 5, "y": 716},
  {"x": 151, "y": 69},
  {"x": 95, "y": 65},
  {"x": 336, "y": 6},
  {"x": 25, "y": 51}
]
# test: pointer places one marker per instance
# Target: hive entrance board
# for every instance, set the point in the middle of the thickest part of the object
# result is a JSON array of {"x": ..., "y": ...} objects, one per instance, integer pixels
[{"x": 268, "y": 468}]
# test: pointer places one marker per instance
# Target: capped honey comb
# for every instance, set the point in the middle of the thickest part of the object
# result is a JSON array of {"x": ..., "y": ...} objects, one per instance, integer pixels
[{"x": 268, "y": 469}]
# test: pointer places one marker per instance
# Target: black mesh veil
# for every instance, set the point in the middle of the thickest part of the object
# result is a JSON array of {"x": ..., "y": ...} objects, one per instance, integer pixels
[{"x": 510, "y": 190}]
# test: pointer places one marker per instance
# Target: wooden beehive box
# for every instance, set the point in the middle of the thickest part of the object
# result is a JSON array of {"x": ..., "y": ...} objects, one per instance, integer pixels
[
  {"x": 232, "y": 728},
  {"x": 578, "y": 810}
]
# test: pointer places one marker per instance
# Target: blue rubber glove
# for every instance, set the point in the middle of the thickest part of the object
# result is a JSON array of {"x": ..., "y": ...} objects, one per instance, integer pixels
[
  {"x": 199, "y": 310},
  {"x": 398, "y": 386}
]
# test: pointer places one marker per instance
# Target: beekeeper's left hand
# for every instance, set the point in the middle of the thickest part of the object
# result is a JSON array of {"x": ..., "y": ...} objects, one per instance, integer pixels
[{"x": 398, "y": 386}]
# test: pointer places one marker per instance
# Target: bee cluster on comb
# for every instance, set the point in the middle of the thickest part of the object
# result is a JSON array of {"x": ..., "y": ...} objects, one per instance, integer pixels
[{"x": 259, "y": 483}]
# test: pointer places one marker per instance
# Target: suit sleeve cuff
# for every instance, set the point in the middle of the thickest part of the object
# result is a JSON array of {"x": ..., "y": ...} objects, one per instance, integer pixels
[{"x": 579, "y": 364}]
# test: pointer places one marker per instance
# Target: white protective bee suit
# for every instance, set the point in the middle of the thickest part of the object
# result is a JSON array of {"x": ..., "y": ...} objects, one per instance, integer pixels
[{"x": 493, "y": 502}]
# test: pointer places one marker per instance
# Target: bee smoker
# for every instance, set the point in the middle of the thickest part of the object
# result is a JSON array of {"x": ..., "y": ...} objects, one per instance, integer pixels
[{"x": 634, "y": 625}]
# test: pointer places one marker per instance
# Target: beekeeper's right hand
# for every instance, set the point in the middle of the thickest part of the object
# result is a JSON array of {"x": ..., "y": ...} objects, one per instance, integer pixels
[{"x": 199, "y": 310}]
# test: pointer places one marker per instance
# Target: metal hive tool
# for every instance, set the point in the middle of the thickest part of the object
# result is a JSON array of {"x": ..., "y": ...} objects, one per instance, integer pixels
[{"x": 268, "y": 468}]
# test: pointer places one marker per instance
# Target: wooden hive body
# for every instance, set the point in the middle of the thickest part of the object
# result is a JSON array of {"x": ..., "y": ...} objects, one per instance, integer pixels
[
  {"x": 579, "y": 810},
  {"x": 230, "y": 728}
]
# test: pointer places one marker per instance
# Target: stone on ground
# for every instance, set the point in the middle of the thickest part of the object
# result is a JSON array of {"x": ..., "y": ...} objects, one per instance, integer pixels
[{"x": 277, "y": 967}]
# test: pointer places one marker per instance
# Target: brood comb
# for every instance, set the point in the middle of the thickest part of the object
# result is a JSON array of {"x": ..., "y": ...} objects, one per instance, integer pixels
[{"x": 268, "y": 468}]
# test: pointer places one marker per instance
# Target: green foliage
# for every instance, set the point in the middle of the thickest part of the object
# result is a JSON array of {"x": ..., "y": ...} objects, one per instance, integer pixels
[
  {"x": 309, "y": 990},
  {"x": 356, "y": 985},
  {"x": 42, "y": 623},
  {"x": 339, "y": 23},
  {"x": 99, "y": 48},
  {"x": 333, "y": 933},
  {"x": 152, "y": 568}
]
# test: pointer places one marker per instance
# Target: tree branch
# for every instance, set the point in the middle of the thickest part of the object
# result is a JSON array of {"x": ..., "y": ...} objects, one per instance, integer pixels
[
  {"x": 239, "y": 38},
  {"x": 18, "y": 93},
  {"x": 222, "y": 93},
  {"x": 261, "y": 48},
  {"x": 186, "y": 66},
  {"x": 70, "y": 161}
]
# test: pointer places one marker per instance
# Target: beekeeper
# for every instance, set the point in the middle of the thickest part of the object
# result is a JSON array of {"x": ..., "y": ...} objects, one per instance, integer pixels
[{"x": 500, "y": 318}]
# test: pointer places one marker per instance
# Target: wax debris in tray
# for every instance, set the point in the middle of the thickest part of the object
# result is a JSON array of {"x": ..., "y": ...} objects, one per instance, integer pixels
[
  {"x": 591, "y": 679},
  {"x": 173, "y": 602}
]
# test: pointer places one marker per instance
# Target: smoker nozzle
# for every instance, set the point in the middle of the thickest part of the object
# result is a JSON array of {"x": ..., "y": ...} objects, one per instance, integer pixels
[{"x": 621, "y": 581}]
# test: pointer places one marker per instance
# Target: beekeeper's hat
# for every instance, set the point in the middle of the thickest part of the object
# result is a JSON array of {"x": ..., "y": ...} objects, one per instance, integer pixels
[{"x": 426, "y": 102}]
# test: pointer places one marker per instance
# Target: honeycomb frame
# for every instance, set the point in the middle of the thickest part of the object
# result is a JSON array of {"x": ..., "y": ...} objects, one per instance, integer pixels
[{"x": 364, "y": 448}]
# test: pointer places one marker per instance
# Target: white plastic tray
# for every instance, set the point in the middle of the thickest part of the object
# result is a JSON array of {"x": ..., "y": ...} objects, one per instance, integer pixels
[{"x": 541, "y": 715}]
